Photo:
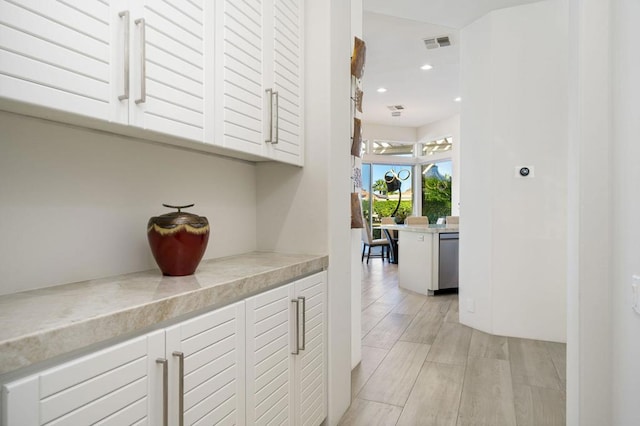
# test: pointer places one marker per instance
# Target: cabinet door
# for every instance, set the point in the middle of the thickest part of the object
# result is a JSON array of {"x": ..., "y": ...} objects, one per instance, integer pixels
[
  {"x": 116, "y": 386},
  {"x": 168, "y": 67},
  {"x": 58, "y": 55},
  {"x": 212, "y": 347},
  {"x": 287, "y": 80},
  {"x": 239, "y": 69},
  {"x": 311, "y": 363},
  {"x": 269, "y": 359}
]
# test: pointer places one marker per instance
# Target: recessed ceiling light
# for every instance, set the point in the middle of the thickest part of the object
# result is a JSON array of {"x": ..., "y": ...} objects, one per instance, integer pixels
[
  {"x": 381, "y": 90},
  {"x": 458, "y": 99},
  {"x": 426, "y": 67}
]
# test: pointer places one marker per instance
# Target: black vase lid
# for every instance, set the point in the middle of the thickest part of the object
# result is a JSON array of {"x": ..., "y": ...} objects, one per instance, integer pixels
[{"x": 173, "y": 219}]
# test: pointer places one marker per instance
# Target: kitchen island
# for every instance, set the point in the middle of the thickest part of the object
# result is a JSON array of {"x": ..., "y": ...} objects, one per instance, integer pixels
[{"x": 422, "y": 269}]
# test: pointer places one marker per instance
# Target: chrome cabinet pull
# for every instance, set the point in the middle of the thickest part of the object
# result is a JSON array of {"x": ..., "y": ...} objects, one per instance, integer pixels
[
  {"x": 304, "y": 322},
  {"x": 125, "y": 15},
  {"x": 143, "y": 61},
  {"x": 269, "y": 93},
  {"x": 180, "y": 356},
  {"x": 277, "y": 117},
  {"x": 297, "y": 345},
  {"x": 165, "y": 390}
]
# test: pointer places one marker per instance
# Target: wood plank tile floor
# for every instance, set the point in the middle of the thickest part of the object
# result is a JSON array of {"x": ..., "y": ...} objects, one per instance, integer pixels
[{"x": 420, "y": 366}]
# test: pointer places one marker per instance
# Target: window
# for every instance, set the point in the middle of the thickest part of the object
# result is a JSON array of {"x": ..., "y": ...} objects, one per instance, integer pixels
[
  {"x": 436, "y": 190},
  {"x": 392, "y": 148},
  {"x": 378, "y": 201},
  {"x": 436, "y": 147},
  {"x": 430, "y": 168}
]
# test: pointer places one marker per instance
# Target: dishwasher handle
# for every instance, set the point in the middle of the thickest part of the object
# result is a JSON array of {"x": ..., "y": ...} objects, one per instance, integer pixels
[{"x": 449, "y": 236}]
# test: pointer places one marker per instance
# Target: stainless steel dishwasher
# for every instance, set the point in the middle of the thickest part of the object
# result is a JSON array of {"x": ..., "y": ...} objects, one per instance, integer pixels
[{"x": 448, "y": 261}]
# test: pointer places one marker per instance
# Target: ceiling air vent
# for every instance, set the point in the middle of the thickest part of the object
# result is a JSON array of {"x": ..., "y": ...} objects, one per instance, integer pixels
[
  {"x": 435, "y": 42},
  {"x": 395, "y": 107}
]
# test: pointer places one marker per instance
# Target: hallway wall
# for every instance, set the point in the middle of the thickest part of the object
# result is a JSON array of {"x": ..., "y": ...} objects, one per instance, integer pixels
[
  {"x": 626, "y": 211},
  {"x": 514, "y": 73}
]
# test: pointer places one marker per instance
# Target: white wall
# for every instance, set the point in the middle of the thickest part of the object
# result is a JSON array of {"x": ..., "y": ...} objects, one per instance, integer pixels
[
  {"x": 476, "y": 163},
  {"x": 74, "y": 203},
  {"x": 371, "y": 131},
  {"x": 589, "y": 217},
  {"x": 514, "y": 72},
  {"x": 308, "y": 210},
  {"x": 436, "y": 130},
  {"x": 626, "y": 211},
  {"x": 356, "y": 234}
]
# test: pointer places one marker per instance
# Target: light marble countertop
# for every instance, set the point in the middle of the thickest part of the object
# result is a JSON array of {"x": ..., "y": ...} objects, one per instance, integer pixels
[
  {"x": 431, "y": 229},
  {"x": 41, "y": 324}
]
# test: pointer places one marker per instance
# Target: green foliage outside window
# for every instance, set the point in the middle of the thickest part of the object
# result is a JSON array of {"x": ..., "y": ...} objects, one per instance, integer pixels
[
  {"x": 379, "y": 186},
  {"x": 436, "y": 198},
  {"x": 385, "y": 208}
]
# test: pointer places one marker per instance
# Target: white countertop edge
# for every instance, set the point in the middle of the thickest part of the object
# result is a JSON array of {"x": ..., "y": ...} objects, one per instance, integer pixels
[
  {"x": 431, "y": 229},
  {"x": 46, "y": 323}
]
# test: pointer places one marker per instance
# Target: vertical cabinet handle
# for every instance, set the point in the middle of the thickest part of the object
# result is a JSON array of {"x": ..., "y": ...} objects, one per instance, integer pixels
[
  {"x": 180, "y": 356},
  {"x": 165, "y": 390},
  {"x": 125, "y": 15},
  {"x": 297, "y": 332},
  {"x": 269, "y": 93},
  {"x": 304, "y": 322},
  {"x": 143, "y": 61},
  {"x": 277, "y": 108},
  {"x": 304, "y": 325}
]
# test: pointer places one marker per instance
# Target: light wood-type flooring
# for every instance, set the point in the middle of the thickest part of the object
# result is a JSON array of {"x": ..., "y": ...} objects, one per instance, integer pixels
[{"x": 420, "y": 366}]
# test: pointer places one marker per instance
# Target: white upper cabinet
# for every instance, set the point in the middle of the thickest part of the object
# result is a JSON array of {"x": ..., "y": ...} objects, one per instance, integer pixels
[
  {"x": 227, "y": 73},
  {"x": 165, "y": 65},
  {"x": 239, "y": 82},
  {"x": 259, "y": 78},
  {"x": 58, "y": 55},
  {"x": 139, "y": 63},
  {"x": 286, "y": 81}
]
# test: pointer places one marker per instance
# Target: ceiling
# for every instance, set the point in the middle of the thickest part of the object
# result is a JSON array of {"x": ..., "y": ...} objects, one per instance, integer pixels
[{"x": 394, "y": 33}]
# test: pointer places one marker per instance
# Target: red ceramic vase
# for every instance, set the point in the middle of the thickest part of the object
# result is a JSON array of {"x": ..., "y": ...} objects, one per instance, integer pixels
[{"x": 178, "y": 241}]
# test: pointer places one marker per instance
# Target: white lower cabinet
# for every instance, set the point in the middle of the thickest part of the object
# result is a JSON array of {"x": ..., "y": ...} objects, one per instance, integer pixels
[
  {"x": 257, "y": 361},
  {"x": 286, "y": 354},
  {"x": 311, "y": 363},
  {"x": 206, "y": 368},
  {"x": 191, "y": 373},
  {"x": 269, "y": 360},
  {"x": 121, "y": 385}
]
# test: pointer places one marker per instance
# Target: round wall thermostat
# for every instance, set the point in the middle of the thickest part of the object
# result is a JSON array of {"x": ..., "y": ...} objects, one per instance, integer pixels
[{"x": 524, "y": 171}]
